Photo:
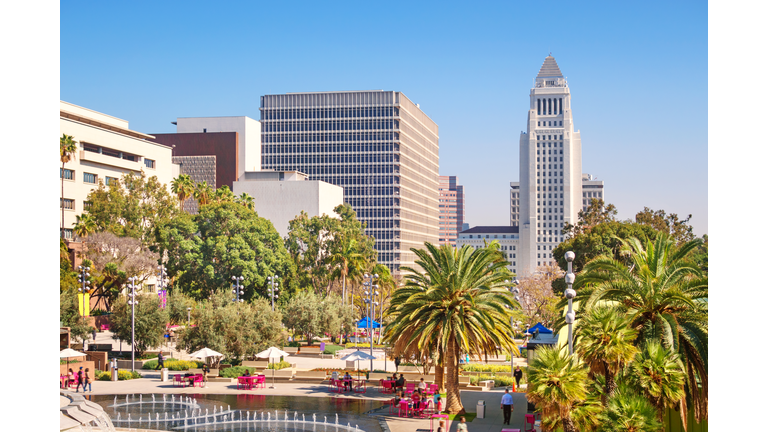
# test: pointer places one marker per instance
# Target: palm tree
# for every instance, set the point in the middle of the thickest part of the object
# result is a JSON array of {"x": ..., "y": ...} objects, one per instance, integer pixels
[
  {"x": 628, "y": 411},
  {"x": 183, "y": 187},
  {"x": 658, "y": 373},
  {"x": 246, "y": 200},
  {"x": 67, "y": 149},
  {"x": 665, "y": 296},
  {"x": 461, "y": 300},
  {"x": 203, "y": 193},
  {"x": 557, "y": 382},
  {"x": 604, "y": 341},
  {"x": 83, "y": 227},
  {"x": 223, "y": 194},
  {"x": 345, "y": 258}
]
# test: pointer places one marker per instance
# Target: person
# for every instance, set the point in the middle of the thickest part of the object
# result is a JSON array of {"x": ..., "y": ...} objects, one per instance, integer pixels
[
  {"x": 247, "y": 372},
  {"x": 438, "y": 403},
  {"x": 397, "y": 363},
  {"x": 423, "y": 402},
  {"x": 518, "y": 375},
  {"x": 160, "y": 361},
  {"x": 94, "y": 334},
  {"x": 422, "y": 386},
  {"x": 462, "y": 427},
  {"x": 347, "y": 381},
  {"x": 80, "y": 381},
  {"x": 400, "y": 382},
  {"x": 87, "y": 380},
  {"x": 398, "y": 397},
  {"x": 441, "y": 426},
  {"x": 206, "y": 370},
  {"x": 506, "y": 405},
  {"x": 394, "y": 377},
  {"x": 70, "y": 377}
]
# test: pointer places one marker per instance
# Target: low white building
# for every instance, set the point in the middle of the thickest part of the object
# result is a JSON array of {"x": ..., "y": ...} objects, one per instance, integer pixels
[
  {"x": 280, "y": 196},
  {"x": 507, "y": 236},
  {"x": 107, "y": 149}
]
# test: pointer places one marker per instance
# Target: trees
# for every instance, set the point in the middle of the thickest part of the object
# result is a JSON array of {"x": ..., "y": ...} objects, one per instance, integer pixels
[
  {"x": 69, "y": 314},
  {"x": 67, "y": 277},
  {"x": 658, "y": 373},
  {"x": 597, "y": 213},
  {"x": 237, "y": 330},
  {"x": 309, "y": 244},
  {"x": 67, "y": 149},
  {"x": 309, "y": 314},
  {"x": 132, "y": 207},
  {"x": 246, "y": 201},
  {"x": 183, "y": 186},
  {"x": 345, "y": 258},
  {"x": 556, "y": 383},
  {"x": 679, "y": 230},
  {"x": 461, "y": 301},
  {"x": 150, "y": 321},
  {"x": 628, "y": 411},
  {"x": 203, "y": 193},
  {"x": 177, "y": 305},
  {"x": 604, "y": 340},
  {"x": 222, "y": 240},
  {"x": 536, "y": 297},
  {"x": 665, "y": 296}
]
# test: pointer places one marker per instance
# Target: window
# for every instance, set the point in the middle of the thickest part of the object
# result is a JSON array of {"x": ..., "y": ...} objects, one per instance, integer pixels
[
  {"x": 89, "y": 178},
  {"x": 67, "y": 233},
  {"x": 149, "y": 163},
  {"x": 66, "y": 174},
  {"x": 150, "y": 288},
  {"x": 67, "y": 204},
  {"x": 111, "y": 180}
]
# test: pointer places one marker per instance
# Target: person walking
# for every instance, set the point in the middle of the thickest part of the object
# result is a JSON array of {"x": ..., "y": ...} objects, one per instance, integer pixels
[
  {"x": 87, "y": 380},
  {"x": 70, "y": 377},
  {"x": 462, "y": 427},
  {"x": 160, "y": 360},
  {"x": 80, "y": 381},
  {"x": 506, "y": 405},
  {"x": 518, "y": 375}
]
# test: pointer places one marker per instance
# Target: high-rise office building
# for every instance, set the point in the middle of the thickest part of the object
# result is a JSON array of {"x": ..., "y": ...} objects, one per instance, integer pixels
[
  {"x": 378, "y": 145},
  {"x": 451, "y": 209},
  {"x": 550, "y": 189}
]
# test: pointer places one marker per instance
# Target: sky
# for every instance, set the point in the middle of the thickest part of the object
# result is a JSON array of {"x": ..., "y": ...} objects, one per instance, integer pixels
[{"x": 637, "y": 72}]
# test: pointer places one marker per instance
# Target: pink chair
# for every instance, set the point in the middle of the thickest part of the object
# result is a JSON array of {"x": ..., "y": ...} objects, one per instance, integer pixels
[
  {"x": 409, "y": 388},
  {"x": 425, "y": 410},
  {"x": 530, "y": 420},
  {"x": 242, "y": 382},
  {"x": 434, "y": 388},
  {"x": 178, "y": 380},
  {"x": 199, "y": 380},
  {"x": 403, "y": 412},
  {"x": 386, "y": 386},
  {"x": 392, "y": 406}
]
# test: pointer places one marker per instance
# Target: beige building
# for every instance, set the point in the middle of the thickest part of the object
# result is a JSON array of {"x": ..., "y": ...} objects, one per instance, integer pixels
[{"x": 107, "y": 149}]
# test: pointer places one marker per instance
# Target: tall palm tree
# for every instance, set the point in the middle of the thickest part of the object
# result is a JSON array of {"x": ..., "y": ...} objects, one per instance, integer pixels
[
  {"x": 658, "y": 373},
  {"x": 665, "y": 295},
  {"x": 345, "y": 258},
  {"x": 246, "y": 200},
  {"x": 223, "y": 194},
  {"x": 461, "y": 300},
  {"x": 203, "y": 193},
  {"x": 604, "y": 340},
  {"x": 557, "y": 382},
  {"x": 67, "y": 149},
  {"x": 183, "y": 187}
]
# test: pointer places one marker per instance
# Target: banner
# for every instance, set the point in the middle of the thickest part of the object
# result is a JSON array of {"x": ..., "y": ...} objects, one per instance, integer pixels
[{"x": 87, "y": 304}]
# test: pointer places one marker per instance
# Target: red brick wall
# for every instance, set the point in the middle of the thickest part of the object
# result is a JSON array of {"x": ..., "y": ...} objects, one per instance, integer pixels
[{"x": 223, "y": 145}]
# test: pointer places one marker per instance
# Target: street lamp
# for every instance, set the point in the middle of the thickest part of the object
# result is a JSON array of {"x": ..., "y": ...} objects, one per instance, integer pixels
[
  {"x": 189, "y": 309},
  {"x": 83, "y": 279},
  {"x": 132, "y": 301},
  {"x": 371, "y": 291},
  {"x": 273, "y": 284},
  {"x": 161, "y": 285},
  {"x": 238, "y": 289},
  {"x": 570, "y": 316}
]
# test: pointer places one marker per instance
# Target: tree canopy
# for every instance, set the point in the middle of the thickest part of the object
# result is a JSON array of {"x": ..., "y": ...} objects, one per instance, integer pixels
[{"x": 150, "y": 321}]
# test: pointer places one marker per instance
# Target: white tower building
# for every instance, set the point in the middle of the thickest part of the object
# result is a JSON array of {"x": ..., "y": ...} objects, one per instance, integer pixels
[{"x": 550, "y": 184}]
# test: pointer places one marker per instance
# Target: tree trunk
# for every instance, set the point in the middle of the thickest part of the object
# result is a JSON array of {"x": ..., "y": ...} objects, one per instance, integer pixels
[
  {"x": 344, "y": 289},
  {"x": 453, "y": 397},
  {"x": 439, "y": 373},
  {"x": 610, "y": 384},
  {"x": 568, "y": 425}
]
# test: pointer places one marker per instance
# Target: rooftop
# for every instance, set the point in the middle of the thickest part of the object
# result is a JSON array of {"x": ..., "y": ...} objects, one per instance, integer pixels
[
  {"x": 549, "y": 68},
  {"x": 503, "y": 229}
]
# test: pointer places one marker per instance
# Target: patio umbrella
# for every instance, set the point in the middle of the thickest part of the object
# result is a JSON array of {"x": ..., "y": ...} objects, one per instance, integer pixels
[
  {"x": 357, "y": 356},
  {"x": 69, "y": 353},
  {"x": 205, "y": 354},
  {"x": 271, "y": 353}
]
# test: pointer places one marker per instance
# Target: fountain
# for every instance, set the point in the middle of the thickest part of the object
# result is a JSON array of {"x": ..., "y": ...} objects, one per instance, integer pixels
[
  {"x": 337, "y": 418},
  {"x": 313, "y": 417},
  {"x": 269, "y": 416}
]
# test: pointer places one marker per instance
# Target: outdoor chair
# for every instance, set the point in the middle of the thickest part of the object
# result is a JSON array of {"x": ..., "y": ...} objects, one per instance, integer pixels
[
  {"x": 409, "y": 388},
  {"x": 179, "y": 380},
  {"x": 199, "y": 379},
  {"x": 340, "y": 387},
  {"x": 242, "y": 382},
  {"x": 386, "y": 387},
  {"x": 434, "y": 388},
  {"x": 261, "y": 380},
  {"x": 530, "y": 421},
  {"x": 392, "y": 406}
]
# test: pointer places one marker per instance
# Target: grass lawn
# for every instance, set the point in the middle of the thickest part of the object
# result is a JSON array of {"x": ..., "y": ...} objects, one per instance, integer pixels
[
  {"x": 468, "y": 416},
  {"x": 331, "y": 349}
]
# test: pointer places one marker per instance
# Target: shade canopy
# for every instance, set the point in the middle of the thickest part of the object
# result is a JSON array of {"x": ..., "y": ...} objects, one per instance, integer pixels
[
  {"x": 540, "y": 328},
  {"x": 272, "y": 353},
  {"x": 69, "y": 353},
  {"x": 205, "y": 353},
  {"x": 358, "y": 355},
  {"x": 363, "y": 323}
]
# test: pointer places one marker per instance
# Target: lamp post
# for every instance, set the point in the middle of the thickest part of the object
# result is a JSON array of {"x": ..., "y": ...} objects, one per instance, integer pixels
[
  {"x": 189, "y": 309},
  {"x": 273, "y": 284},
  {"x": 570, "y": 316},
  {"x": 132, "y": 301},
  {"x": 161, "y": 284},
  {"x": 371, "y": 291},
  {"x": 515, "y": 291},
  {"x": 83, "y": 279},
  {"x": 237, "y": 289}
]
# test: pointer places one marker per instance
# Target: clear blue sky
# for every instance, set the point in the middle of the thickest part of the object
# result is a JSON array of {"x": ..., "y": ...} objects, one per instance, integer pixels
[{"x": 637, "y": 72}]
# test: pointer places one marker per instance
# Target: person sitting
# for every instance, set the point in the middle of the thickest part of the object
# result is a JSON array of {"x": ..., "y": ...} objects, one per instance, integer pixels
[
  {"x": 423, "y": 402},
  {"x": 70, "y": 377},
  {"x": 347, "y": 381},
  {"x": 247, "y": 372},
  {"x": 422, "y": 386},
  {"x": 398, "y": 398},
  {"x": 394, "y": 377},
  {"x": 400, "y": 383}
]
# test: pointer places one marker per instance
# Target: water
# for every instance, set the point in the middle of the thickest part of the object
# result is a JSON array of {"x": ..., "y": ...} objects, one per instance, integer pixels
[{"x": 193, "y": 414}]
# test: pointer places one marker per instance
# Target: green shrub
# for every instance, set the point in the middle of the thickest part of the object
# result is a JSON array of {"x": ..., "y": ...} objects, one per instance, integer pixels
[
  {"x": 70, "y": 362},
  {"x": 363, "y": 345},
  {"x": 499, "y": 381},
  {"x": 294, "y": 344},
  {"x": 280, "y": 365},
  {"x": 477, "y": 367},
  {"x": 174, "y": 365},
  {"x": 122, "y": 375},
  {"x": 235, "y": 371}
]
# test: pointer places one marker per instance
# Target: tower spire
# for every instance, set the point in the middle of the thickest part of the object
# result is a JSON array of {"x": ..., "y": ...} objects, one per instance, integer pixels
[{"x": 549, "y": 68}]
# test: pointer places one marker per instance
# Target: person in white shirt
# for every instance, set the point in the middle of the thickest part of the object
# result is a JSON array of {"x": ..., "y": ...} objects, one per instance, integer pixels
[
  {"x": 422, "y": 386},
  {"x": 506, "y": 405}
]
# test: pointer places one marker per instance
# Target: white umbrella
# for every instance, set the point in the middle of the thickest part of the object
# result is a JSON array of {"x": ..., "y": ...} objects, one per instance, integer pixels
[
  {"x": 271, "y": 353},
  {"x": 357, "y": 356},
  {"x": 205, "y": 353},
  {"x": 69, "y": 353}
]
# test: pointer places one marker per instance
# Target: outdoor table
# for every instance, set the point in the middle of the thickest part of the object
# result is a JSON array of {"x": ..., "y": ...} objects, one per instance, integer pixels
[
  {"x": 404, "y": 407},
  {"x": 359, "y": 385},
  {"x": 391, "y": 384},
  {"x": 439, "y": 416}
]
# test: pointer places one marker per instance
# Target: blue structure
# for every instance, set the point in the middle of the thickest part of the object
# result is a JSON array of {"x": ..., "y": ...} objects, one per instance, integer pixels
[
  {"x": 540, "y": 328},
  {"x": 363, "y": 323}
]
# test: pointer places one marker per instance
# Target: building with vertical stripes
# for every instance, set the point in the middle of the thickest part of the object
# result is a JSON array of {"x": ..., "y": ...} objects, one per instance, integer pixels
[
  {"x": 451, "y": 209},
  {"x": 378, "y": 145}
]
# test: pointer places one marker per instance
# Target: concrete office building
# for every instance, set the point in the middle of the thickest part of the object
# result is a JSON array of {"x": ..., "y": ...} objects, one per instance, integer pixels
[
  {"x": 451, "y": 200},
  {"x": 378, "y": 145},
  {"x": 107, "y": 149},
  {"x": 507, "y": 236},
  {"x": 590, "y": 187},
  {"x": 280, "y": 196},
  {"x": 549, "y": 192}
]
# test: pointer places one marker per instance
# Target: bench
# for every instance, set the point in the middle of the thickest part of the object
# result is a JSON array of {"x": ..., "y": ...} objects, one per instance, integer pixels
[
  {"x": 279, "y": 374},
  {"x": 463, "y": 381},
  {"x": 262, "y": 364},
  {"x": 310, "y": 351},
  {"x": 309, "y": 376},
  {"x": 291, "y": 350},
  {"x": 100, "y": 347},
  {"x": 487, "y": 384}
]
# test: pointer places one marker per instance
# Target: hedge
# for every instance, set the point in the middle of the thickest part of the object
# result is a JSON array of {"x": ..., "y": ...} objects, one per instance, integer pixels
[
  {"x": 174, "y": 365},
  {"x": 363, "y": 345},
  {"x": 280, "y": 365},
  {"x": 122, "y": 375},
  {"x": 477, "y": 367},
  {"x": 499, "y": 381},
  {"x": 235, "y": 371}
]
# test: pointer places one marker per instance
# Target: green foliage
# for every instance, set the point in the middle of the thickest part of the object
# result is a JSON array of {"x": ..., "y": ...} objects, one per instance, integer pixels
[
  {"x": 498, "y": 381},
  {"x": 237, "y": 330},
  {"x": 309, "y": 314},
  {"x": 174, "y": 365},
  {"x": 132, "y": 207},
  {"x": 627, "y": 410},
  {"x": 98, "y": 312},
  {"x": 122, "y": 375},
  {"x": 478, "y": 367},
  {"x": 597, "y": 213},
  {"x": 279, "y": 365},
  {"x": 658, "y": 373},
  {"x": 69, "y": 314},
  {"x": 67, "y": 277},
  {"x": 679, "y": 230},
  {"x": 223, "y": 240},
  {"x": 331, "y": 349},
  {"x": 176, "y": 305},
  {"x": 363, "y": 345},
  {"x": 236, "y": 371},
  {"x": 150, "y": 321}
]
